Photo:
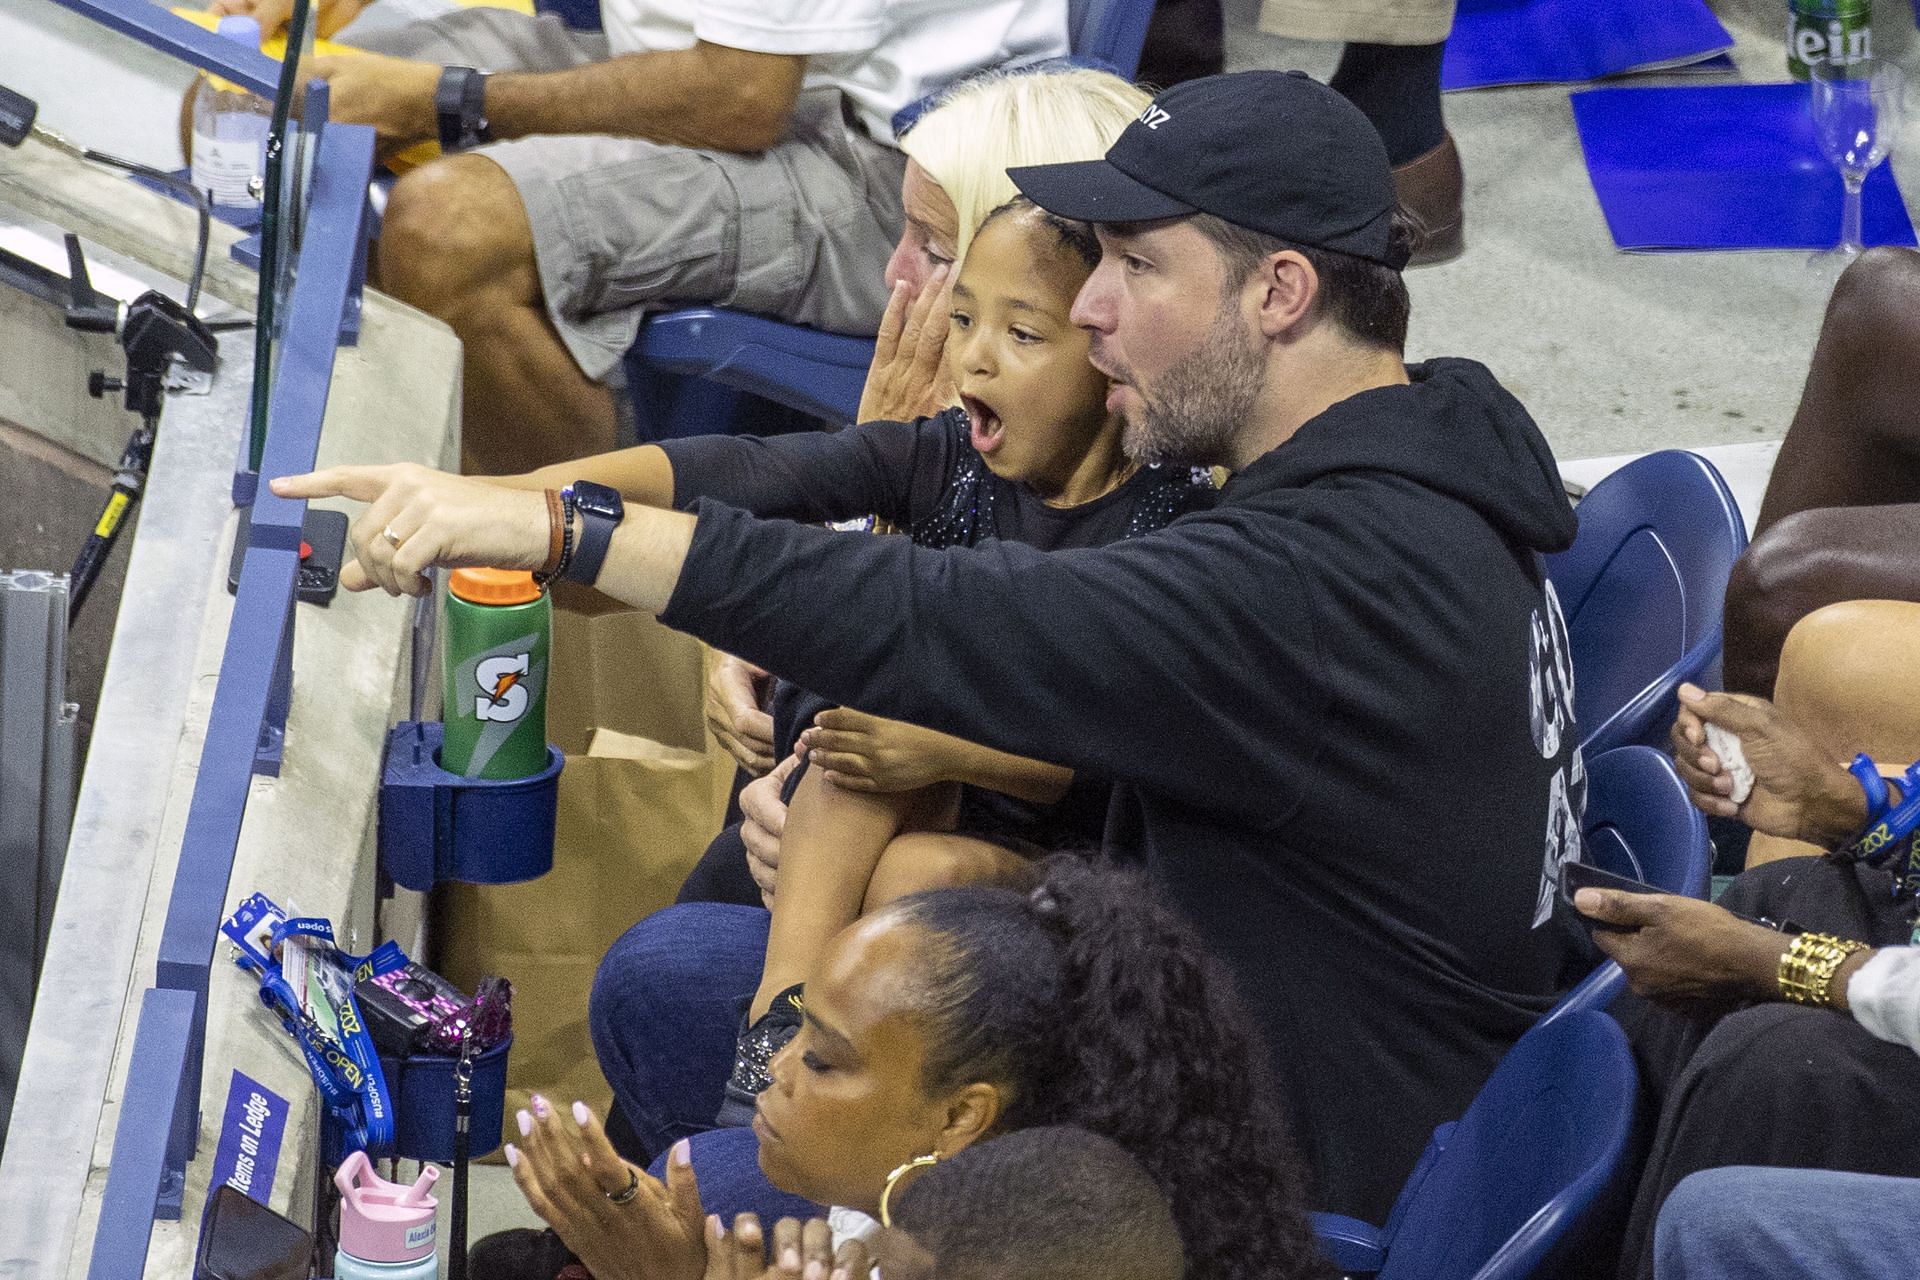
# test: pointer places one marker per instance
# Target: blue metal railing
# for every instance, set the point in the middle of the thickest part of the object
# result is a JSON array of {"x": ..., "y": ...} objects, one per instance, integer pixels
[
  {"x": 156, "y": 28},
  {"x": 158, "y": 1126}
]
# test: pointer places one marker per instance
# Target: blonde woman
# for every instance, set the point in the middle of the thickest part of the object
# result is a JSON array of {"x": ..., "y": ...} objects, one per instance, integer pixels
[{"x": 958, "y": 155}]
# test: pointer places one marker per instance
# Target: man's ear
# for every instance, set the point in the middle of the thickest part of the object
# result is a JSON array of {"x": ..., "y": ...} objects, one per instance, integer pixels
[
  {"x": 973, "y": 1112},
  {"x": 1288, "y": 287}
]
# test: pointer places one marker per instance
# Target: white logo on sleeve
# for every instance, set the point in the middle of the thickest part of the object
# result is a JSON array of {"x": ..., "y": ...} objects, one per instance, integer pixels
[
  {"x": 1153, "y": 117},
  {"x": 503, "y": 690},
  {"x": 1550, "y": 708}
]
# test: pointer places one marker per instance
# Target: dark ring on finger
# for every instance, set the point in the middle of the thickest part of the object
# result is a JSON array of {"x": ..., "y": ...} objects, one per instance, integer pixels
[{"x": 626, "y": 1194}]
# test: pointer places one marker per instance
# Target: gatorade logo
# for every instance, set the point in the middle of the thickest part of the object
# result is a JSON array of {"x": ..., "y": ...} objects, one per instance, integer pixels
[
  {"x": 503, "y": 692},
  {"x": 1154, "y": 116}
]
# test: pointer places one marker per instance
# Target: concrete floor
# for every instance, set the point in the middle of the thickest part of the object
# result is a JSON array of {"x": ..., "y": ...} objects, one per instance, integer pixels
[{"x": 1615, "y": 353}]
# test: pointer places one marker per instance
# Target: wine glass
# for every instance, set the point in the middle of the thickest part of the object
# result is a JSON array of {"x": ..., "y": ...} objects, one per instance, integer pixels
[{"x": 1857, "y": 107}]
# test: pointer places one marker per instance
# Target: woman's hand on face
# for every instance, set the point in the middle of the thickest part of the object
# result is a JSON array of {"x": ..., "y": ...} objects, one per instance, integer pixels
[
  {"x": 734, "y": 687},
  {"x": 866, "y": 753},
  {"x": 1679, "y": 948},
  {"x": 798, "y": 1251},
  {"x": 1799, "y": 792},
  {"x": 417, "y": 519},
  {"x": 908, "y": 378},
  {"x": 567, "y": 1170}
]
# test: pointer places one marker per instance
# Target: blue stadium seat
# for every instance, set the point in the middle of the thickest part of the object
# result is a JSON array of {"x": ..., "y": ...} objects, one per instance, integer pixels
[
  {"x": 791, "y": 365},
  {"x": 1537, "y": 1162},
  {"x": 1641, "y": 588},
  {"x": 581, "y": 15},
  {"x": 1640, "y": 824}
]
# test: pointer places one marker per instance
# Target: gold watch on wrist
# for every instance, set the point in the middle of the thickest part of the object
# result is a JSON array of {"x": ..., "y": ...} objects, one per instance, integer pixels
[{"x": 1807, "y": 968}]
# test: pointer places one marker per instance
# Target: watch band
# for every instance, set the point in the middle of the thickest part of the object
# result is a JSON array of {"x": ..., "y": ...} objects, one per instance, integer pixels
[
  {"x": 460, "y": 108},
  {"x": 600, "y": 511}
]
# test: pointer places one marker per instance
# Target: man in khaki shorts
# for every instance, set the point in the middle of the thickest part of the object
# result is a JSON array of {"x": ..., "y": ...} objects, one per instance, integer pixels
[
  {"x": 737, "y": 152},
  {"x": 1391, "y": 71}
]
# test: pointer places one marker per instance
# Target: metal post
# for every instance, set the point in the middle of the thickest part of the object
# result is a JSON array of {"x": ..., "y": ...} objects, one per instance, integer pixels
[{"x": 37, "y": 724}]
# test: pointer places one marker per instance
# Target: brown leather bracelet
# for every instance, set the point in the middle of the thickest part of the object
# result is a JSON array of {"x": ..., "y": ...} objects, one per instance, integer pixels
[{"x": 556, "y": 533}]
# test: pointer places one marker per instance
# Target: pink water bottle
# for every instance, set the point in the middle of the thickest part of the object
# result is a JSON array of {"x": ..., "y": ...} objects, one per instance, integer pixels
[{"x": 387, "y": 1229}]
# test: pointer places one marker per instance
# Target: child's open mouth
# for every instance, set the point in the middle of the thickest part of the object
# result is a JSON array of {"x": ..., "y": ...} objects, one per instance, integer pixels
[{"x": 986, "y": 429}]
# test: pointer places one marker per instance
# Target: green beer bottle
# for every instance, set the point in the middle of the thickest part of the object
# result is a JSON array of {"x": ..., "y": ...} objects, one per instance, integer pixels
[
  {"x": 498, "y": 625},
  {"x": 1827, "y": 30}
]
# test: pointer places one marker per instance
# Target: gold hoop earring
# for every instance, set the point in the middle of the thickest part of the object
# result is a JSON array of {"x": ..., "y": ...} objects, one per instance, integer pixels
[{"x": 893, "y": 1180}]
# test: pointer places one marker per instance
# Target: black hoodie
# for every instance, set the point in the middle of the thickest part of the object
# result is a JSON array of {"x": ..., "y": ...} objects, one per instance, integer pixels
[{"x": 1336, "y": 708}]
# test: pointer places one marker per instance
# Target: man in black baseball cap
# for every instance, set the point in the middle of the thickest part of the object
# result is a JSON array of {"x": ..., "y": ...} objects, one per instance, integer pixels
[
  {"x": 1316, "y": 701},
  {"x": 1225, "y": 173}
]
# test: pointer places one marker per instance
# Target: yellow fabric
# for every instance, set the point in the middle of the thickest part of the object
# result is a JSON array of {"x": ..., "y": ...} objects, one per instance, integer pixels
[{"x": 275, "y": 47}]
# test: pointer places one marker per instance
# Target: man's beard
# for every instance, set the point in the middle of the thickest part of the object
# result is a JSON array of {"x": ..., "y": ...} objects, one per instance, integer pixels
[{"x": 1200, "y": 404}]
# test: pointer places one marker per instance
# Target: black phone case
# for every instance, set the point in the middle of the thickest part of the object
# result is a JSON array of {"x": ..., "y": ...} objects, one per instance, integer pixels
[
  {"x": 241, "y": 1239},
  {"x": 1575, "y": 876}
]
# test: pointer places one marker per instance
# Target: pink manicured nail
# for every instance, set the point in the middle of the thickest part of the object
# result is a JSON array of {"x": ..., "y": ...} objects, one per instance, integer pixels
[
  {"x": 540, "y": 1107},
  {"x": 790, "y": 1260},
  {"x": 816, "y": 1270},
  {"x": 581, "y": 1115},
  {"x": 513, "y": 1156},
  {"x": 526, "y": 1123},
  {"x": 683, "y": 1153}
]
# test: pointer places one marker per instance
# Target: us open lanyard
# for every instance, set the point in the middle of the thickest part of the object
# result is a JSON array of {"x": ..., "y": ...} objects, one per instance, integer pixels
[
  {"x": 347, "y": 1071},
  {"x": 1889, "y": 827}
]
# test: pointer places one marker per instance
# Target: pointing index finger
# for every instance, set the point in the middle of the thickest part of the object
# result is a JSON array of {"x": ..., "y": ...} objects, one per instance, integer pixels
[{"x": 362, "y": 484}]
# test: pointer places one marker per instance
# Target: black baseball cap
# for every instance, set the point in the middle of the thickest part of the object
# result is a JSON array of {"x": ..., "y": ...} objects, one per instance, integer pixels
[{"x": 1272, "y": 151}]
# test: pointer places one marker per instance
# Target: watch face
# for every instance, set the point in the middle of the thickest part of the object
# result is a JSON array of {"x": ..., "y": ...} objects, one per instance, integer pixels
[{"x": 598, "y": 499}]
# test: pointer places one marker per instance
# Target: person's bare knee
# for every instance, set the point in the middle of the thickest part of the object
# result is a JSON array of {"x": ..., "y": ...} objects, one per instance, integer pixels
[
  {"x": 1850, "y": 676},
  {"x": 1877, "y": 296},
  {"x": 1774, "y": 584},
  {"x": 456, "y": 234},
  {"x": 924, "y": 860}
]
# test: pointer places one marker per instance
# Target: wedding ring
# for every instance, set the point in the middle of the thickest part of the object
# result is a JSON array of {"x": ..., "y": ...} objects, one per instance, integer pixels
[
  {"x": 390, "y": 535},
  {"x": 627, "y": 1193}
]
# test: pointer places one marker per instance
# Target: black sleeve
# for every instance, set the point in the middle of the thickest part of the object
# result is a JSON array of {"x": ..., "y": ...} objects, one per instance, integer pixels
[
  {"x": 1173, "y": 660},
  {"x": 875, "y": 468}
]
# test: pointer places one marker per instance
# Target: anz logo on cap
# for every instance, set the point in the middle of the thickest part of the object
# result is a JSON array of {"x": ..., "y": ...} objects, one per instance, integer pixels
[{"x": 1154, "y": 116}]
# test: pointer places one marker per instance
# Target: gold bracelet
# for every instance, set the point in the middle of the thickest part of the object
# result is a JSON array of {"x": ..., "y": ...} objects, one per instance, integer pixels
[{"x": 1807, "y": 968}]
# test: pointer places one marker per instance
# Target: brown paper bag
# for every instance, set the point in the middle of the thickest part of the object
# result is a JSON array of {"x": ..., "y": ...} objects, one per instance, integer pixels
[{"x": 643, "y": 791}]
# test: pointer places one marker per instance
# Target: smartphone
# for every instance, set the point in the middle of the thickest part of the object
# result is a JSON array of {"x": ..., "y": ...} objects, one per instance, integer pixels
[
  {"x": 1575, "y": 876},
  {"x": 242, "y": 1239}
]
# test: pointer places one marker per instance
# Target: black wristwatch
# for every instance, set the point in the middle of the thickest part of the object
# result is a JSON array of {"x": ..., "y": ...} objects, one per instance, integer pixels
[
  {"x": 600, "y": 511},
  {"x": 460, "y": 105}
]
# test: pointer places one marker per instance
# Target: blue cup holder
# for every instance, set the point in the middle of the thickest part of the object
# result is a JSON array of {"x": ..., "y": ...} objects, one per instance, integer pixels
[
  {"x": 421, "y": 1088},
  {"x": 437, "y": 826}
]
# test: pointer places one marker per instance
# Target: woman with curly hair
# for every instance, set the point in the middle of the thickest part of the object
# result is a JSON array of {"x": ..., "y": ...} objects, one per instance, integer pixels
[{"x": 943, "y": 1020}]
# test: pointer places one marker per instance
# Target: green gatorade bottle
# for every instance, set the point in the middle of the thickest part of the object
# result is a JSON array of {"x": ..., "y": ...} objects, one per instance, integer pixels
[{"x": 498, "y": 624}]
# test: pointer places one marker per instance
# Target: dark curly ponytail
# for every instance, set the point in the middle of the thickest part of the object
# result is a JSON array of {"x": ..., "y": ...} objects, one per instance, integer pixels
[{"x": 1094, "y": 1005}]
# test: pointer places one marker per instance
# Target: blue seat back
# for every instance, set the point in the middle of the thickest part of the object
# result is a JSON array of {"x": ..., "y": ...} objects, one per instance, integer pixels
[
  {"x": 1642, "y": 588},
  {"x": 581, "y": 15},
  {"x": 1109, "y": 33},
  {"x": 1640, "y": 824},
  {"x": 1539, "y": 1156}
]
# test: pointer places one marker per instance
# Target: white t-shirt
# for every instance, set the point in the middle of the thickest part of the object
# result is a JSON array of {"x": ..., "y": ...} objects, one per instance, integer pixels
[
  {"x": 883, "y": 54},
  {"x": 1884, "y": 995}
]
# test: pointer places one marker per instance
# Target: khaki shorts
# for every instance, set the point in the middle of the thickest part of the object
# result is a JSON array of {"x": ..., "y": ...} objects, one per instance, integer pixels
[
  {"x": 1362, "y": 21},
  {"x": 801, "y": 231}
]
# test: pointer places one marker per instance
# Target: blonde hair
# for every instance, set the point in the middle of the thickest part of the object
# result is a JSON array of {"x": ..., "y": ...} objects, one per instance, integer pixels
[{"x": 984, "y": 126}]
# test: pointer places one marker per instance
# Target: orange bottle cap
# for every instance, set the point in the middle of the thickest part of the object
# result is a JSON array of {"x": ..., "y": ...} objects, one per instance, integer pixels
[{"x": 493, "y": 586}]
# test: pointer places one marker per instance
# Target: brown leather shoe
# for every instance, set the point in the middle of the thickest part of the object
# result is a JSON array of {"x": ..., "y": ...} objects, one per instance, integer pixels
[{"x": 1429, "y": 189}]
